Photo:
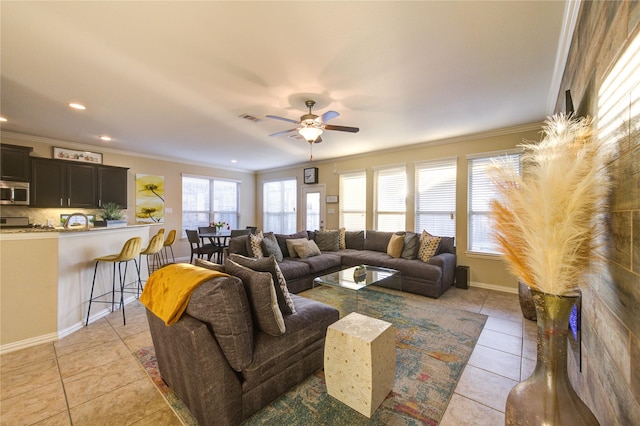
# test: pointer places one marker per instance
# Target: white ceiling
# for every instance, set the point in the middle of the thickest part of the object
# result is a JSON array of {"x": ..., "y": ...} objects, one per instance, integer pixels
[{"x": 172, "y": 78}]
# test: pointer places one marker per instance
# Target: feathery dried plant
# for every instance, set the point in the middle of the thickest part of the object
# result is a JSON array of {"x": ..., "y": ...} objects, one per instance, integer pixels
[{"x": 546, "y": 222}]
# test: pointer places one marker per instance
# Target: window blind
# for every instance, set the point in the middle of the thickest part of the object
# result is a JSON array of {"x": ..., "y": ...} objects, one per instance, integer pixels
[
  {"x": 353, "y": 200},
  {"x": 435, "y": 197},
  {"x": 390, "y": 198},
  {"x": 206, "y": 200},
  {"x": 280, "y": 198}
]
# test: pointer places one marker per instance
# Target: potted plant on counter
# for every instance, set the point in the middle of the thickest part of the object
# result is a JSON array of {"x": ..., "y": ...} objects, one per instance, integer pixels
[{"x": 112, "y": 216}]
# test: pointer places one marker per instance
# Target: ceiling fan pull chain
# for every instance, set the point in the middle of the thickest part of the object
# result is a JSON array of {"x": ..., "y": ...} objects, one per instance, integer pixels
[{"x": 310, "y": 151}]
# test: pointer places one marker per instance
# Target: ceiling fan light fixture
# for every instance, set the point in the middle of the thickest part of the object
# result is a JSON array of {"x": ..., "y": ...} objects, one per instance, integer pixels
[{"x": 310, "y": 133}]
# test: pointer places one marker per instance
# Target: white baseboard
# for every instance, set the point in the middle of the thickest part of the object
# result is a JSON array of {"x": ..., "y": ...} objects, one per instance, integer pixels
[{"x": 504, "y": 289}]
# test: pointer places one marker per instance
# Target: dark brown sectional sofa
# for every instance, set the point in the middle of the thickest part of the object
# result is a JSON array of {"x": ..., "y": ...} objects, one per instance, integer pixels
[{"x": 430, "y": 278}]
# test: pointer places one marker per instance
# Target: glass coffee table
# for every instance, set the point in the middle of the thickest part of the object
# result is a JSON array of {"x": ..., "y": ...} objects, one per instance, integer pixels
[{"x": 347, "y": 280}]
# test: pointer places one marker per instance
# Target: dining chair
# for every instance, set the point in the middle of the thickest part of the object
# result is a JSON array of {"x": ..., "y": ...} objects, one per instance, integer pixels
[
  {"x": 253, "y": 229},
  {"x": 238, "y": 232},
  {"x": 197, "y": 247},
  {"x": 218, "y": 242}
]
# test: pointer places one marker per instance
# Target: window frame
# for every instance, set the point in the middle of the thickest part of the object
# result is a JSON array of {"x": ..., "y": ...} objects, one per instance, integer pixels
[
  {"x": 379, "y": 213},
  {"x": 343, "y": 197},
  {"x": 293, "y": 192},
  {"x": 437, "y": 164},
  {"x": 213, "y": 214}
]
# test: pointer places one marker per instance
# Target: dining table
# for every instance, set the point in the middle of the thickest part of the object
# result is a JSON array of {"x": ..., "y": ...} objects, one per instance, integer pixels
[{"x": 217, "y": 238}]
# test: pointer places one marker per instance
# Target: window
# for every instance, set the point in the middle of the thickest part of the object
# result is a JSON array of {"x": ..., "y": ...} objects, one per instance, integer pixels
[
  {"x": 481, "y": 192},
  {"x": 206, "y": 200},
  {"x": 280, "y": 206},
  {"x": 390, "y": 194},
  {"x": 353, "y": 200},
  {"x": 436, "y": 197}
]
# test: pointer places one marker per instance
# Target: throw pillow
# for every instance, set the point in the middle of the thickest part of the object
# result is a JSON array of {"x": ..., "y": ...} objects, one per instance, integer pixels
[
  {"x": 328, "y": 240},
  {"x": 343, "y": 239},
  {"x": 239, "y": 245},
  {"x": 208, "y": 265},
  {"x": 411, "y": 246},
  {"x": 282, "y": 241},
  {"x": 428, "y": 246},
  {"x": 291, "y": 249},
  {"x": 262, "y": 297},
  {"x": 222, "y": 304},
  {"x": 270, "y": 247},
  {"x": 306, "y": 248},
  {"x": 269, "y": 264},
  {"x": 447, "y": 245},
  {"x": 256, "y": 244},
  {"x": 354, "y": 240},
  {"x": 396, "y": 243}
]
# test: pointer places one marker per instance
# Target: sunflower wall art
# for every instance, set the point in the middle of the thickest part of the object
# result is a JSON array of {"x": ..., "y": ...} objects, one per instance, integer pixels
[{"x": 149, "y": 198}]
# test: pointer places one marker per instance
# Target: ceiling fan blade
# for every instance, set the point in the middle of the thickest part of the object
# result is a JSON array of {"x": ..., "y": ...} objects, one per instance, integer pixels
[
  {"x": 284, "y": 132},
  {"x": 283, "y": 119},
  {"x": 329, "y": 115},
  {"x": 318, "y": 139},
  {"x": 341, "y": 128}
]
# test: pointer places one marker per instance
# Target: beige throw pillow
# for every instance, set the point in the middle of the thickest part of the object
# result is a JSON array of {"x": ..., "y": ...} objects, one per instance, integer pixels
[
  {"x": 255, "y": 242},
  {"x": 428, "y": 246},
  {"x": 396, "y": 243},
  {"x": 291, "y": 249},
  {"x": 305, "y": 248}
]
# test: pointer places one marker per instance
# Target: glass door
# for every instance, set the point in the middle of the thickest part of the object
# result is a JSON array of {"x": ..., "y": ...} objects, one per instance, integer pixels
[{"x": 313, "y": 208}]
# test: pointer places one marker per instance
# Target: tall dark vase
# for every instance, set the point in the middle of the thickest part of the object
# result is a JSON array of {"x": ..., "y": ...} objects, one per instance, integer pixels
[{"x": 547, "y": 397}]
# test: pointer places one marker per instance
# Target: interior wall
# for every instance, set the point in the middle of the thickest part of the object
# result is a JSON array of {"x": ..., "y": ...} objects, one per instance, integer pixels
[
  {"x": 485, "y": 271},
  {"x": 610, "y": 379},
  {"x": 171, "y": 170}
]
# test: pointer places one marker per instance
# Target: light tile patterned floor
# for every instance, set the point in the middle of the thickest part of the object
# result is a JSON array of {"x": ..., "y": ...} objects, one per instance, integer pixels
[{"x": 92, "y": 377}]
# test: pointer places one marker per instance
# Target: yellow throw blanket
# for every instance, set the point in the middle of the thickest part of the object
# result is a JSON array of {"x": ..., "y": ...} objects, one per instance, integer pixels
[{"x": 168, "y": 290}]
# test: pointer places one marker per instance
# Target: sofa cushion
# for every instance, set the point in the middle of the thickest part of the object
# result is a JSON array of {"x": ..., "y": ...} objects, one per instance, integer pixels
[
  {"x": 364, "y": 257},
  {"x": 411, "y": 246},
  {"x": 414, "y": 269},
  {"x": 377, "y": 240},
  {"x": 354, "y": 240},
  {"x": 269, "y": 264},
  {"x": 447, "y": 245},
  {"x": 282, "y": 240},
  {"x": 222, "y": 304},
  {"x": 262, "y": 297},
  {"x": 396, "y": 243},
  {"x": 293, "y": 269},
  {"x": 208, "y": 265},
  {"x": 328, "y": 240},
  {"x": 306, "y": 326},
  {"x": 428, "y": 246},
  {"x": 304, "y": 248},
  {"x": 322, "y": 263},
  {"x": 239, "y": 245}
]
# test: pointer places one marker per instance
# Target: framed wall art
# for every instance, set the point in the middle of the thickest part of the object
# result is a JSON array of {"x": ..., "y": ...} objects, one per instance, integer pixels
[{"x": 75, "y": 155}]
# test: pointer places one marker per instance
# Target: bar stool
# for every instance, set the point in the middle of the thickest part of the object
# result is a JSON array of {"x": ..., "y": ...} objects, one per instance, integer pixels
[
  {"x": 129, "y": 252},
  {"x": 153, "y": 249},
  {"x": 168, "y": 244}
]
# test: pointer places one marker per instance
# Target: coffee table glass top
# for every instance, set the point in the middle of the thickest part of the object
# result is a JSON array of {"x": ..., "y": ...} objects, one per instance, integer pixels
[{"x": 346, "y": 279}]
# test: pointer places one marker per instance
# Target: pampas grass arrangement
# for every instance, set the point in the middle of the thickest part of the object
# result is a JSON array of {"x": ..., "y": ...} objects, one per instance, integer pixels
[{"x": 546, "y": 221}]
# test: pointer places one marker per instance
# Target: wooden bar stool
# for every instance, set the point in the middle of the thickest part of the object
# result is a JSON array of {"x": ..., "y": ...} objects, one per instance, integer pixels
[{"x": 129, "y": 252}]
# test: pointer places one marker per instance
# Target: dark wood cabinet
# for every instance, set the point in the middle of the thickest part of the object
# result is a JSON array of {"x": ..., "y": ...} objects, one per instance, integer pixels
[
  {"x": 112, "y": 185},
  {"x": 58, "y": 183},
  {"x": 15, "y": 164}
]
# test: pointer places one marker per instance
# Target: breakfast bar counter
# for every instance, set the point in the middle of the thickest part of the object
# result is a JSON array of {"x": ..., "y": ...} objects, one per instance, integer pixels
[{"x": 45, "y": 280}]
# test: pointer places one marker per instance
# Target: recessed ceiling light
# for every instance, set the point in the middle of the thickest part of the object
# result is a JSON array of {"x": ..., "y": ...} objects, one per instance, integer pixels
[
  {"x": 76, "y": 105},
  {"x": 234, "y": 161},
  {"x": 105, "y": 138},
  {"x": 3, "y": 119}
]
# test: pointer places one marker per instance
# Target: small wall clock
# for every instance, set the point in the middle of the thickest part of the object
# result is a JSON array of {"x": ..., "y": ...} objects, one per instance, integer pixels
[{"x": 311, "y": 175}]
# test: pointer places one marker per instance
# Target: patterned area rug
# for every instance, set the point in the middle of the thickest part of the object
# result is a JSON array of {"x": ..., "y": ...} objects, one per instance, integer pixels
[{"x": 433, "y": 345}]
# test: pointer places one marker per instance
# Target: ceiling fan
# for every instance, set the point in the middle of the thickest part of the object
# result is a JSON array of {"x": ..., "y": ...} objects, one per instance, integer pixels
[{"x": 311, "y": 125}]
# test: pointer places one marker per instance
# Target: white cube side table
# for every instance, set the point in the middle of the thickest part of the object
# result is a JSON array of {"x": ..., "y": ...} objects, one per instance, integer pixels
[{"x": 360, "y": 361}]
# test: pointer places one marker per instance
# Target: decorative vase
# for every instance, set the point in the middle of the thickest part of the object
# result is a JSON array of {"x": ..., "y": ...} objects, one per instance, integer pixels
[
  {"x": 547, "y": 397},
  {"x": 526, "y": 301}
]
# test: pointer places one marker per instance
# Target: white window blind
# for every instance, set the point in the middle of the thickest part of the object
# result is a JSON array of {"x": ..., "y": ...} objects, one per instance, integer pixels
[
  {"x": 353, "y": 200},
  {"x": 390, "y": 198},
  {"x": 436, "y": 197},
  {"x": 481, "y": 192},
  {"x": 619, "y": 97},
  {"x": 280, "y": 198},
  {"x": 206, "y": 200}
]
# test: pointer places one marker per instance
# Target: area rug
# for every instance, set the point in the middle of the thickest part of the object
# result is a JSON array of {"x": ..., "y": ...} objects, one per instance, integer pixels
[{"x": 433, "y": 345}]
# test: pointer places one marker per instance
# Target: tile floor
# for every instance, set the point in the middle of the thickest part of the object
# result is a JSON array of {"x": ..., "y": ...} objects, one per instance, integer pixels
[{"x": 92, "y": 377}]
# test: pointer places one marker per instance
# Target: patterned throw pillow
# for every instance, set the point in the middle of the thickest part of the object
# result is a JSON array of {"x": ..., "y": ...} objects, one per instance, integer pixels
[
  {"x": 428, "y": 246},
  {"x": 270, "y": 247},
  {"x": 343, "y": 239},
  {"x": 262, "y": 297},
  {"x": 269, "y": 264},
  {"x": 328, "y": 240},
  {"x": 256, "y": 245},
  {"x": 394, "y": 249}
]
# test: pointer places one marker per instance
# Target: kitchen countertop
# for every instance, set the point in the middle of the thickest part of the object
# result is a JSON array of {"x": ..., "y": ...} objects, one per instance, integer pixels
[{"x": 24, "y": 232}]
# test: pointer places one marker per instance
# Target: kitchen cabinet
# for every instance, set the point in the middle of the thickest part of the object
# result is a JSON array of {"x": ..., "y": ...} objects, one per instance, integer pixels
[
  {"x": 112, "y": 185},
  {"x": 56, "y": 183},
  {"x": 59, "y": 183},
  {"x": 15, "y": 163}
]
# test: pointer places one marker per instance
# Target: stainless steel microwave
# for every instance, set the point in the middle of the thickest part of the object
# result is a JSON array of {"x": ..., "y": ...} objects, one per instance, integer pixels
[{"x": 14, "y": 193}]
